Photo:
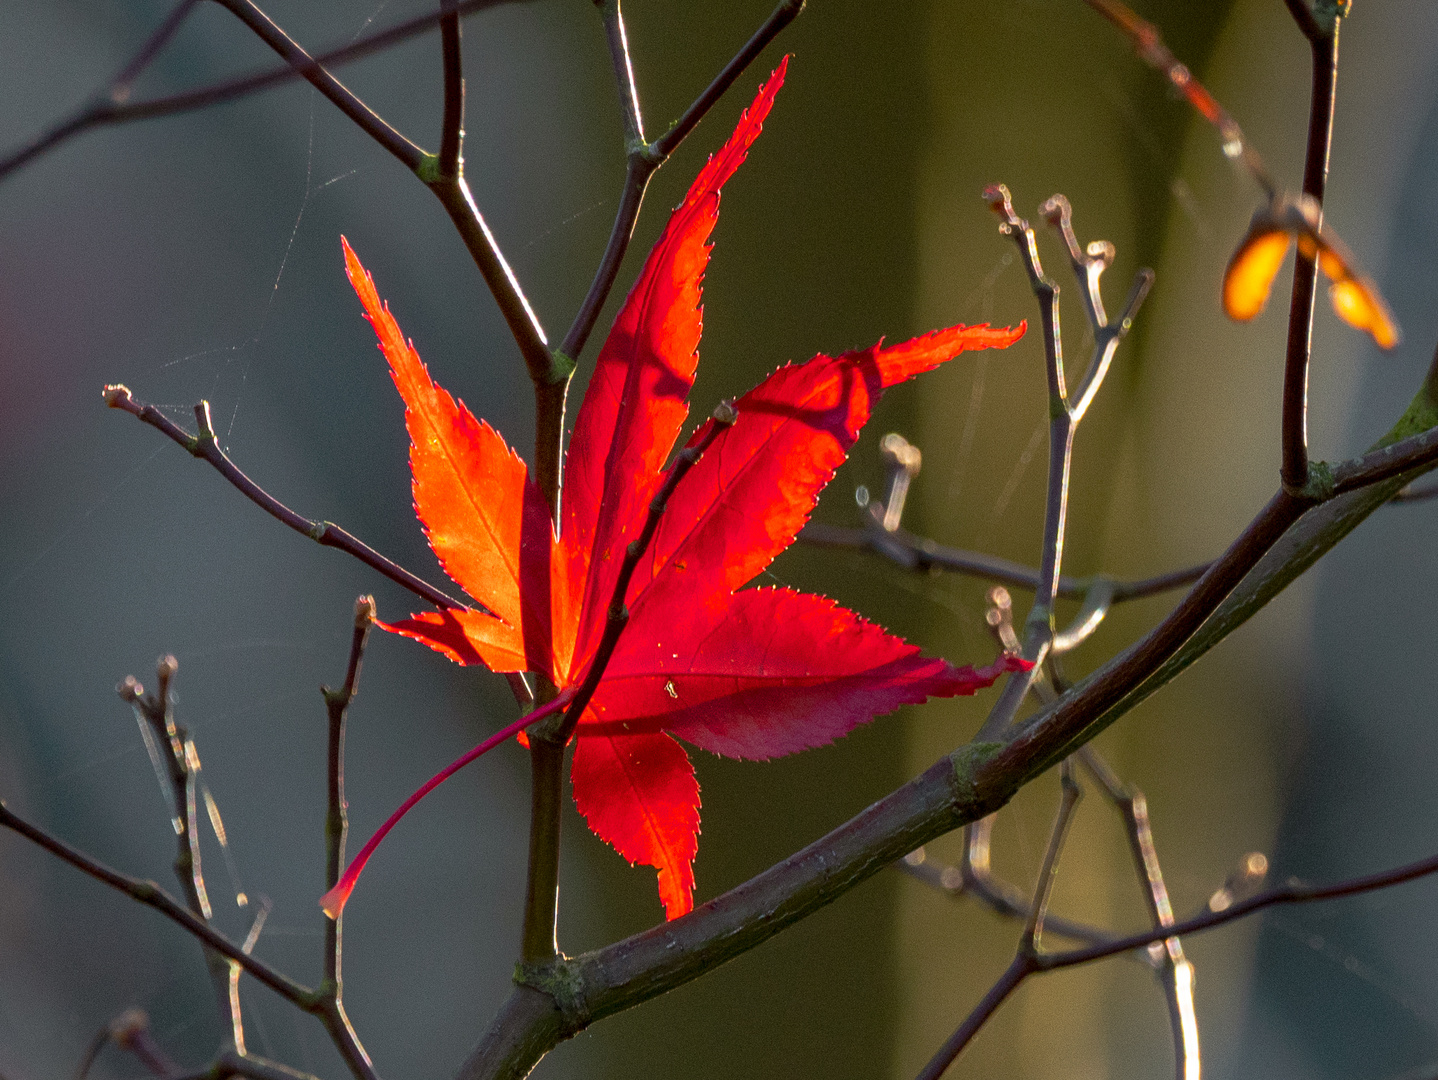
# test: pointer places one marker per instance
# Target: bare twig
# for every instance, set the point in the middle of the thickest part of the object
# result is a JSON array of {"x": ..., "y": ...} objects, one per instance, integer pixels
[
  {"x": 152, "y": 896},
  {"x": 785, "y": 13},
  {"x": 920, "y": 553},
  {"x": 1293, "y": 892},
  {"x": 109, "y": 109},
  {"x": 644, "y": 158},
  {"x": 1065, "y": 412},
  {"x": 1412, "y": 494},
  {"x": 182, "y": 763},
  {"x": 326, "y": 533},
  {"x": 1027, "y": 955},
  {"x": 541, "y": 902},
  {"x": 1148, "y": 43},
  {"x": 331, "y": 991},
  {"x": 368, "y": 121},
  {"x": 973, "y": 877},
  {"x": 129, "y": 1031},
  {"x": 1174, "y": 969}
]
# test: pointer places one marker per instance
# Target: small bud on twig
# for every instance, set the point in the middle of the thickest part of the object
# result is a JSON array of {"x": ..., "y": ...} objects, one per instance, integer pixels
[{"x": 365, "y": 610}]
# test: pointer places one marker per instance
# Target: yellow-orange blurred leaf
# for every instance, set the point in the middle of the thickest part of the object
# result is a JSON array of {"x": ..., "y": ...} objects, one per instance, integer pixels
[
  {"x": 1363, "y": 309},
  {"x": 1250, "y": 274}
]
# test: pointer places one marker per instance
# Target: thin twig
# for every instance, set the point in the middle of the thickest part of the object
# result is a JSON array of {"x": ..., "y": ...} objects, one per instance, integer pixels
[
  {"x": 337, "y": 703},
  {"x": 644, "y": 158},
  {"x": 1148, "y": 43},
  {"x": 1305, "y": 271},
  {"x": 1293, "y": 892},
  {"x": 1026, "y": 957},
  {"x": 541, "y": 906},
  {"x": 326, "y": 533},
  {"x": 785, "y": 13},
  {"x": 129, "y": 1031},
  {"x": 1175, "y": 972},
  {"x": 182, "y": 763},
  {"x": 368, "y": 121},
  {"x": 1411, "y": 494},
  {"x": 106, "y": 111},
  {"x": 1065, "y": 413},
  {"x": 975, "y": 880},
  {"x": 450, "y": 188},
  {"x": 152, "y": 896},
  {"x": 920, "y": 553}
]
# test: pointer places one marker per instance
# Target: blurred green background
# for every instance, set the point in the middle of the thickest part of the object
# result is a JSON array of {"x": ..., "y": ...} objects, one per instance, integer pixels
[{"x": 199, "y": 257}]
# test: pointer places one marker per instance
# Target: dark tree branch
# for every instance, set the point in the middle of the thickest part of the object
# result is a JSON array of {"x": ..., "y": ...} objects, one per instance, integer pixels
[
  {"x": 920, "y": 553},
  {"x": 451, "y": 146},
  {"x": 337, "y": 703},
  {"x": 645, "y": 158},
  {"x": 1303, "y": 16},
  {"x": 107, "y": 110},
  {"x": 325, "y": 533},
  {"x": 782, "y": 16},
  {"x": 317, "y": 76},
  {"x": 618, "y": 39},
  {"x": 1305, "y": 272},
  {"x": 152, "y": 896}
]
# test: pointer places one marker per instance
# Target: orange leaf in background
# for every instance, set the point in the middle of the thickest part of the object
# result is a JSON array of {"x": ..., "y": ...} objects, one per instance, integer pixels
[
  {"x": 1249, "y": 278},
  {"x": 753, "y": 673}
]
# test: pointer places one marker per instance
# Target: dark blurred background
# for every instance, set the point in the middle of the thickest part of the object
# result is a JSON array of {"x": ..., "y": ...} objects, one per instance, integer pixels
[{"x": 198, "y": 257}]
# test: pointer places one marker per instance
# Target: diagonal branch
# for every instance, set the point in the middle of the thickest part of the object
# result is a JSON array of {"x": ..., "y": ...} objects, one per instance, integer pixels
[
  {"x": 643, "y": 159},
  {"x": 368, "y": 121},
  {"x": 109, "y": 109},
  {"x": 920, "y": 553},
  {"x": 1174, "y": 969},
  {"x": 325, "y": 533},
  {"x": 152, "y": 896}
]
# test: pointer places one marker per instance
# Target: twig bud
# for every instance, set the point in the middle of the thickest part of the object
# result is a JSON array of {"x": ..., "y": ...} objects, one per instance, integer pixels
[
  {"x": 130, "y": 689},
  {"x": 725, "y": 413},
  {"x": 365, "y": 610},
  {"x": 127, "y": 1025},
  {"x": 117, "y": 395}
]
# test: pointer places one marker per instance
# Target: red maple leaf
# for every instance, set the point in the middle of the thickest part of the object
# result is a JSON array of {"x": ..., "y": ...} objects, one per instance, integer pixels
[{"x": 751, "y": 674}]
